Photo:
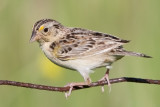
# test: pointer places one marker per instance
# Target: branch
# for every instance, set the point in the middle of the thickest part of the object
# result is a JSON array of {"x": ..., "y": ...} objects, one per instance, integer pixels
[{"x": 93, "y": 84}]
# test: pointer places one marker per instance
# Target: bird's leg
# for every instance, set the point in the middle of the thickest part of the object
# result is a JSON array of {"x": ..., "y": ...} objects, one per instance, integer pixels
[
  {"x": 71, "y": 85},
  {"x": 106, "y": 77}
]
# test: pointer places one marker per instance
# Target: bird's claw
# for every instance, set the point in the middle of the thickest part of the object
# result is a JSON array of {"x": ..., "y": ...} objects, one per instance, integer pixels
[
  {"x": 67, "y": 94},
  {"x": 72, "y": 85},
  {"x": 106, "y": 78}
]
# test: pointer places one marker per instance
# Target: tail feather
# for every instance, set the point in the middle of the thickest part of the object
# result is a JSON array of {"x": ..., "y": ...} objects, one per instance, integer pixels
[{"x": 130, "y": 53}]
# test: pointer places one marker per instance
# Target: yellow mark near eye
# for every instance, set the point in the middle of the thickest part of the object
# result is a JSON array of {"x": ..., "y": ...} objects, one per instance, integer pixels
[{"x": 41, "y": 28}]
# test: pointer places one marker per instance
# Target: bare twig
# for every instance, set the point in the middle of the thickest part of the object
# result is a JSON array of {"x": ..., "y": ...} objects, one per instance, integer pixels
[{"x": 93, "y": 84}]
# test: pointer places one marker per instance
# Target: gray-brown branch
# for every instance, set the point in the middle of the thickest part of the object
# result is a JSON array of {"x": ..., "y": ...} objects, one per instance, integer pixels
[{"x": 93, "y": 84}]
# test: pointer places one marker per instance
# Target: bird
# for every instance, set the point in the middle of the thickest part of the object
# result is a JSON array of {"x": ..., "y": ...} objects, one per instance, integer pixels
[{"x": 79, "y": 49}]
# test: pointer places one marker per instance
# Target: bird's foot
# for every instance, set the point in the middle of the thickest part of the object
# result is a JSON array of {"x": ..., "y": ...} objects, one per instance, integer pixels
[
  {"x": 72, "y": 85},
  {"x": 106, "y": 78},
  {"x": 109, "y": 84}
]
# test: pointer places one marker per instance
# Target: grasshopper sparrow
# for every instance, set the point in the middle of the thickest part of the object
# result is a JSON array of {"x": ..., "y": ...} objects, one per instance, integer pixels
[{"x": 79, "y": 49}]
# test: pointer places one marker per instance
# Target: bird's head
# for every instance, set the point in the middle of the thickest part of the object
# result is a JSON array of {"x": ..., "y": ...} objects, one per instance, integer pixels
[{"x": 45, "y": 30}]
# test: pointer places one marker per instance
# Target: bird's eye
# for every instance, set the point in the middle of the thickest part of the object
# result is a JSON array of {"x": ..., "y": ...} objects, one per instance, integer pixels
[{"x": 45, "y": 29}]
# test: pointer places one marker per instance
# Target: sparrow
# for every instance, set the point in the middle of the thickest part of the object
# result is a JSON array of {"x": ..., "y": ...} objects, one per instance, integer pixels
[{"x": 79, "y": 49}]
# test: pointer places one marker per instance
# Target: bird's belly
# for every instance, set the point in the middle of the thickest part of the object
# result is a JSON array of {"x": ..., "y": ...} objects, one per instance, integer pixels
[{"x": 84, "y": 63}]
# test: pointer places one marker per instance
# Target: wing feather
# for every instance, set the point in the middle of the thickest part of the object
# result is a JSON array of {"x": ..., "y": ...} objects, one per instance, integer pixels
[{"x": 81, "y": 43}]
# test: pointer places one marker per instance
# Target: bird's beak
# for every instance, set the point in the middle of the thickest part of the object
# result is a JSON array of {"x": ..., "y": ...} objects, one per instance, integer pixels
[{"x": 34, "y": 37}]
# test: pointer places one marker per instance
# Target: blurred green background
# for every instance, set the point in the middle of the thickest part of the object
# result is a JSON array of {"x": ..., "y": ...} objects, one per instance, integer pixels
[{"x": 135, "y": 20}]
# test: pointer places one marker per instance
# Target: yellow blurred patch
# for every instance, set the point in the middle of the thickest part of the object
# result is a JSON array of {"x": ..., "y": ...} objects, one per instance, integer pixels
[{"x": 49, "y": 69}]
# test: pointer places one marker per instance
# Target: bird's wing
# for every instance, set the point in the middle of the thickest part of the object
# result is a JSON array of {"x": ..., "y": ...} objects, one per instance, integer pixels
[{"x": 81, "y": 43}]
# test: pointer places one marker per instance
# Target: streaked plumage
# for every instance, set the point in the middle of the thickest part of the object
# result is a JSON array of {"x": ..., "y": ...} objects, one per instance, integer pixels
[{"x": 77, "y": 48}]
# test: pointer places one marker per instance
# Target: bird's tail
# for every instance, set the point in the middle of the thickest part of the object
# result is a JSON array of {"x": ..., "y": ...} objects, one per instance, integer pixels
[{"x": 130, "y": 53}]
